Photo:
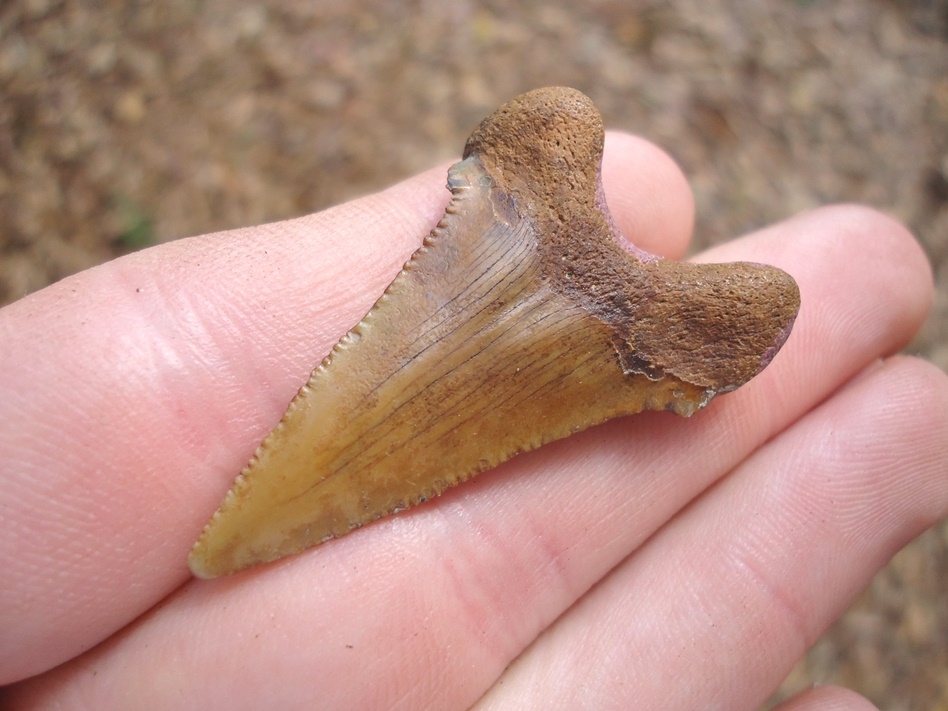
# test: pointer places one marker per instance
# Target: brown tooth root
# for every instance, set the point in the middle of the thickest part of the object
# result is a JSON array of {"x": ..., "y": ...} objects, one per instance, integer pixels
[{"x": 519, "y": 321}]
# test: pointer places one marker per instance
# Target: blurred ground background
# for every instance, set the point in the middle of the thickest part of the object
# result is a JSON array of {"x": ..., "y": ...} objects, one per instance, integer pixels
[{"x": 125, "y": 124}]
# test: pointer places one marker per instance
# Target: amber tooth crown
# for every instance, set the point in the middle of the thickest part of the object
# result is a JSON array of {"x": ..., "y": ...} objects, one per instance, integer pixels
[{"x": 520, "y": 320}]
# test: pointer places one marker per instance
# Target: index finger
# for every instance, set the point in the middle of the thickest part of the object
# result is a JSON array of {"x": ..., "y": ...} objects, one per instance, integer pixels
[{"x": 133, "y": 393}]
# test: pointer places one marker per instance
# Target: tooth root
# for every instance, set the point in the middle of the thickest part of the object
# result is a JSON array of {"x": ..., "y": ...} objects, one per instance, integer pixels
[{"x": 519, "y": 321}]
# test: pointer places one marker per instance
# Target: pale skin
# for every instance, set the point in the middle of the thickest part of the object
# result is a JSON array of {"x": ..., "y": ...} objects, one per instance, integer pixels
[{"x": 653, "y": 562}]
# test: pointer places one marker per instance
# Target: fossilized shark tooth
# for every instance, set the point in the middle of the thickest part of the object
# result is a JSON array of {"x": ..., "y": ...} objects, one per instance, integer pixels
[{"x": 524, "y": 317}]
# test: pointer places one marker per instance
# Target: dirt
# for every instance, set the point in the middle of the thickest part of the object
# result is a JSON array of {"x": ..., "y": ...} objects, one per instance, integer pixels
[{"x": 129, "y": 124}]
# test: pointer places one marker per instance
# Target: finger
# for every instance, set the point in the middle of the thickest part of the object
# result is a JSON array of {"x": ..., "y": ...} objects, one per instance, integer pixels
[
  {"x": 826, "y": 698},
  {"x": 482, "y": 570},
  {"x": 654, "y": 207},
  {"x": 140, "y": 388},
  {"x": 730, "y": 594}
]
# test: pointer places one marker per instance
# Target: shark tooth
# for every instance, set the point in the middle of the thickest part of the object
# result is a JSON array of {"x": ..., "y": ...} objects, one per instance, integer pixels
[{"x": 524, "y": 317}]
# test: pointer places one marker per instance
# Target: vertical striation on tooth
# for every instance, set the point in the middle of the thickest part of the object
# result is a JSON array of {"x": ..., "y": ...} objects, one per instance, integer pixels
[{"x": 520, "y": 320}]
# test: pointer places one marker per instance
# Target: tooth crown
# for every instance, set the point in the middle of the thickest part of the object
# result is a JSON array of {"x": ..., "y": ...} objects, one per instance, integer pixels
[{"x": 520, "y": 320}]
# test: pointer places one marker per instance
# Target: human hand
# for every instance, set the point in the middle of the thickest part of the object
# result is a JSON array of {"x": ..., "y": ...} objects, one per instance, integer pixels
[{"x": 652, "y": 562}]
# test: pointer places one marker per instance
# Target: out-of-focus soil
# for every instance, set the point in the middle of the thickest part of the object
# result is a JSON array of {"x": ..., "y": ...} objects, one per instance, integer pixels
[{"x": 127, "y": 124}]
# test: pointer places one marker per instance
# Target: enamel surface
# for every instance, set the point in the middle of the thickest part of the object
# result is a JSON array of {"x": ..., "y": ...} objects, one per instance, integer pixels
[{"x": 519, "y": 321}]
